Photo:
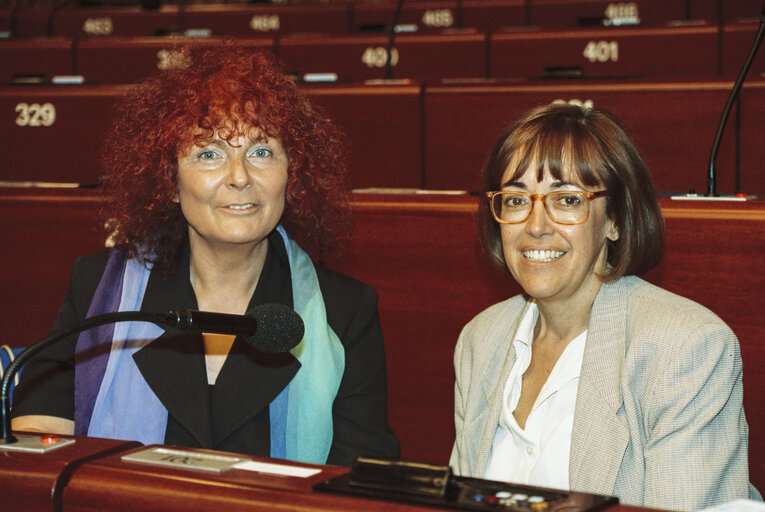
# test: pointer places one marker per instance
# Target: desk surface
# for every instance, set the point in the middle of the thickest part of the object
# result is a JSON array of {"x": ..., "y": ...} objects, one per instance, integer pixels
[{"x": 92, "y": 475}]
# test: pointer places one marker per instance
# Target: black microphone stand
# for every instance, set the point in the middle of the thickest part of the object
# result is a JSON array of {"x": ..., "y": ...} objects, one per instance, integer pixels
[
  {"x": 712, "y": 176},
  {"x": 184, "y": 320}
]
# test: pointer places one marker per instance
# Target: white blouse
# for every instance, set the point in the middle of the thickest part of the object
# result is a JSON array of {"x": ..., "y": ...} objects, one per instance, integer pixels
[{"x": 539, "y": 454}]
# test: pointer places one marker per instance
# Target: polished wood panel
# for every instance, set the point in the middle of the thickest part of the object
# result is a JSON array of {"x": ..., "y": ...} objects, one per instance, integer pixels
[
  {"x": 44, "y": 231},
  {"x": 673, "y": 125},
  {"x": 35, "y": 482},
  {"x": 737, "y": 41},
  {"x": 383, "y": 122}
]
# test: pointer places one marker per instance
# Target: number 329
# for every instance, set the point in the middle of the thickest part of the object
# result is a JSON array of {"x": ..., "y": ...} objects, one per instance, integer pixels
[{"x": 35, "y": 114}]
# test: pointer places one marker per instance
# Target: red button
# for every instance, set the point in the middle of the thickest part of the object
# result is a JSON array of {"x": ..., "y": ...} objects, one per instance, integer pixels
[{"x": 49, "y": 439}]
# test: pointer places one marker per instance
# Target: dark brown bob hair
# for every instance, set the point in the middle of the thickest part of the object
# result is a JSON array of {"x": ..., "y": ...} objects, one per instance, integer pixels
[
  {"x": 602, "y": 155},
  {"x": 230, "y": 89}
]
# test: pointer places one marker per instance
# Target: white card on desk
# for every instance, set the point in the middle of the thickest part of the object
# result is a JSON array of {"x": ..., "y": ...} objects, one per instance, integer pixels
[{"x": 277, "y": 469}]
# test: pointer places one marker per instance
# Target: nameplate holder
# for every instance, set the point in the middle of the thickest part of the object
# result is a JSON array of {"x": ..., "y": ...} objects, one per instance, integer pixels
[
  {"x": 37, "y": 444},
  {"x": 183, "y": 459}
]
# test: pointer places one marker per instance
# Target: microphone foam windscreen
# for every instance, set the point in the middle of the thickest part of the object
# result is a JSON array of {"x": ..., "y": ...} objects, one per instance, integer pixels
[{"x": 279, "y": 328}]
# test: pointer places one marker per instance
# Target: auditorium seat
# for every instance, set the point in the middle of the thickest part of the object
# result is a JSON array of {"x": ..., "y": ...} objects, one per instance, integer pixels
[
  {"x": 36, "y": 58},
  {"x": 688, "y": 52},
  {"x": 120, "y": 60},
  {"x": 455, "y": 54},
  {"x": 267, "y": 19},
  {"x": 673, "y": 125}
]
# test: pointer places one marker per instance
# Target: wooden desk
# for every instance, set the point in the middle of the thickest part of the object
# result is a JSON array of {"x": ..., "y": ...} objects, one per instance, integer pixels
[
  {"x": 55, "y": 132},
  {"x": 115, "y": 21},
  {"x": 268, "y": 20},
  {"x": 45, "y": 57},
  {"x": 35, "y": 482},
  {"x": 91, "y": 475},
  {"x": 382, "y": 121},
  {"x": 363, "y": 57},
  {"x": 425, "y": 16},
  {"x": 115, "y": 60},
  {"x": 567, "y": 14},
  {"x": 639, "y": 53}
]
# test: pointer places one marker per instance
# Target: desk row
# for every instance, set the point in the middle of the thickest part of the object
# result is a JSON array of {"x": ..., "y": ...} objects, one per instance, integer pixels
[
  {"x": 361, "y": 17},
  {"x": 684, "y": 53},
  {"x": 410, "y": 135}
]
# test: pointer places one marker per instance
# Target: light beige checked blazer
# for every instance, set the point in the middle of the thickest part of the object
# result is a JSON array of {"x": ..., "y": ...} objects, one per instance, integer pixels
[{"x": 659, "y": 420}]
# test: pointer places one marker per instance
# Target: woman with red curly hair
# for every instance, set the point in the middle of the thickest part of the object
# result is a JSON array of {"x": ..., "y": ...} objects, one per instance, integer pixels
[{"x": 215, "y": 172}]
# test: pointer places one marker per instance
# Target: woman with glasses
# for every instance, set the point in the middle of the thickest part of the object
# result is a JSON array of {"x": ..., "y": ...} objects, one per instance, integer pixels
[
  {"x": 214, "y": 171},
  {"x": 593, "y": 379}
]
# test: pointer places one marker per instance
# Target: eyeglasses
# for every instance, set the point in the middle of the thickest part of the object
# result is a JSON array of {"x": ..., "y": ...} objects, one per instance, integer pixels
[{"x": 565, "y": 207}]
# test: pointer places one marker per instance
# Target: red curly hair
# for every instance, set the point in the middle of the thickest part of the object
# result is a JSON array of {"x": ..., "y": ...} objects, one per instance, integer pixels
[{"x": 218, "y": 87}]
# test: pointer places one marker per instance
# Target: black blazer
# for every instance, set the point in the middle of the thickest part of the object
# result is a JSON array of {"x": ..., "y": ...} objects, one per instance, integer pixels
[{"x": 233, "y": 414}]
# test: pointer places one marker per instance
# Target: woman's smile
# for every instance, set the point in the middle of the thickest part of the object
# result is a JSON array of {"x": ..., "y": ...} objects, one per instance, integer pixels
[{"x": 542, "y": 255}]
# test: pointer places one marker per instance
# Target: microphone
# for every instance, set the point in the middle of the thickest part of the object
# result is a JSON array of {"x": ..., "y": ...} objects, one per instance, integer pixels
[
  {"x": 712, "y": 176},
  {"x": 270, "y": 328}
]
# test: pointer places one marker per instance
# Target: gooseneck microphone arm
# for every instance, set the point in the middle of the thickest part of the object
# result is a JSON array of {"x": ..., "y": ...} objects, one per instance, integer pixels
[
  {"x": 184, "y": 320},
  {"x": 392, "y": 39},
  {"x": 712, "y": 176}
]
